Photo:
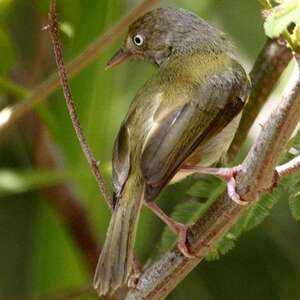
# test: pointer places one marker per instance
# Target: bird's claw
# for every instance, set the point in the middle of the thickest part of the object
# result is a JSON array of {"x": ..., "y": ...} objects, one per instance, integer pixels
[{"x": 182, "y": 230}]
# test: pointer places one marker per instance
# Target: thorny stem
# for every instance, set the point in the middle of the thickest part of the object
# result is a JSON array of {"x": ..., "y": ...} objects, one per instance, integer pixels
[{"x": 54, "y": 32}]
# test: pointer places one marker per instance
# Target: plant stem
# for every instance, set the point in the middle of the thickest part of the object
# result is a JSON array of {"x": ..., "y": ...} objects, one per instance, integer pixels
[{"x": 54, "y": 32}]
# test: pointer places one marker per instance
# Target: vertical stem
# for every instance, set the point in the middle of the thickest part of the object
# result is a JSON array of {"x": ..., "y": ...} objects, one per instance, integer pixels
[{"x": 54, "y": 32}]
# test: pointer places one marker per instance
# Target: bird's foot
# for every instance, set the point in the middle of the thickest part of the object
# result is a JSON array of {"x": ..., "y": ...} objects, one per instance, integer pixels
[
  {"x": 227, "y": 174},
  {"x": 133, "y": 280},
  {"x": 181, "y": 230},
  {"x": 177, "y": 228}
]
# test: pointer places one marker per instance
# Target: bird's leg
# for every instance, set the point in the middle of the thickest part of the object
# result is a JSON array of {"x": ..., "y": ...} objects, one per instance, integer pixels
[
  {"x": 178, "y": 228},
  {"x": 227, "y": 174}
]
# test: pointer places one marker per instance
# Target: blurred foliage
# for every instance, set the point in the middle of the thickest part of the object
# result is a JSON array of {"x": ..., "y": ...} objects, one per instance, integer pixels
[
  {"x": 281, "y": 16},
  {"x": 37, "y": 253}
]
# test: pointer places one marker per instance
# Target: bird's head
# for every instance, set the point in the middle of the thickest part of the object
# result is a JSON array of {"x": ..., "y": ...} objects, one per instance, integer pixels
[{"x": 165, "y": 32}]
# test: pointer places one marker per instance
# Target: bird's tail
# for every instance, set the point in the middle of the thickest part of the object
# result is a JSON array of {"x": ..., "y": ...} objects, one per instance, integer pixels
[{"x": 115, "y": 262}]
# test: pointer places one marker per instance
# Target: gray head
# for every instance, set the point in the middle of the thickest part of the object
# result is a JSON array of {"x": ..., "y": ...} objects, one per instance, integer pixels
[{"x": 165, "y": 32}]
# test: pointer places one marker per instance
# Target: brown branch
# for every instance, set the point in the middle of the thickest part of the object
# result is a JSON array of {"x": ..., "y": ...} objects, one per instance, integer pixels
[
  {"x": 91, "y": 53},
  {"x": 271, "y": 62},
  {"x": 54, "y": 32},
  {"x": 256, "y": 177}
]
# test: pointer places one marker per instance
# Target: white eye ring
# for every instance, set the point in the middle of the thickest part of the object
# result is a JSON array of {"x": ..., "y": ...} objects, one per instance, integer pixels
[{"x": 138, "y": 40}]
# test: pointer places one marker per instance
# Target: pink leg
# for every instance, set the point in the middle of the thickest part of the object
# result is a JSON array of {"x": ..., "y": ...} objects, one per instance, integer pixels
[
  {"x": 178, "y": 228},
  {"x": 228, "y": 174}
]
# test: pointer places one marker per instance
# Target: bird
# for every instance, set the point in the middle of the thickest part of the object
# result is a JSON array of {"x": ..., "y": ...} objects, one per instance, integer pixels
[{"x": 180, "y": 122}]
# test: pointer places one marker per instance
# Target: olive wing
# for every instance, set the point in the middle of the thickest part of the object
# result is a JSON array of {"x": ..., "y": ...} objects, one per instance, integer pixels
[
  {"x": 184, "y": 128},
  {"x": 121, "y": 160}
]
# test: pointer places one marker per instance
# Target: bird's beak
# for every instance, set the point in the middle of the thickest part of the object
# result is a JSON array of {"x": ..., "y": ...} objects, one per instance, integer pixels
[{"x": 121, "y": 55}]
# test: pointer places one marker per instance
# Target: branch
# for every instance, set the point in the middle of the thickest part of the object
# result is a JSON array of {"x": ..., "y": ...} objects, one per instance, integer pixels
[
  {"x": 257, "y": 176},
  {"x": 289, "y": 167},
  {"x": 54, "y": 32},
  {"x": 91, "y": 53},
  {"x": 269, "y": 65}
]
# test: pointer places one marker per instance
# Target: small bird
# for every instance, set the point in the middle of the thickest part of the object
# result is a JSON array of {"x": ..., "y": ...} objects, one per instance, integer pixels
[{"x": 180, "y": 122}]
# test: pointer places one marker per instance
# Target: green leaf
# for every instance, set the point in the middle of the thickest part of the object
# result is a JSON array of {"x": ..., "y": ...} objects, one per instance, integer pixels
[
  {"x": 294, "y": 199},
  {"x": 281, "y": 16},
  {"x": 292, "y": 182},
  {"x": 15, "y": 182},
  {"x": 294, "y": 203},
  {"x": 67, "y": 29},
  {"x": 208, "y": 187},
  {"x": 296, "y": 141},
  {"x": 9, "y": 86},
  {"x": 226, "y": 243},
  {"x": 252, "y": 218},
  {"x": 7, "y": 51},
  {"x": 260, "y": 210}
]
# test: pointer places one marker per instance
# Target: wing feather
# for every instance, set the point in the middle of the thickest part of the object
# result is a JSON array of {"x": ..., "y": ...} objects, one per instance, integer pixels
[{"x": 180, "y": 132}]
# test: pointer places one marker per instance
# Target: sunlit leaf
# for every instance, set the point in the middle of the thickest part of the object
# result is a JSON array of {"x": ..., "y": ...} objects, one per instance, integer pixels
[
  {"x": 67, "y": 29},
  {"x": 15, "y": 182},
  {"x": 281, "y": 16}
]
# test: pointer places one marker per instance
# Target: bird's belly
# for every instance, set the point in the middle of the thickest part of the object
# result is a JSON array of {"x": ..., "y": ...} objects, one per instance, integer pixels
[{"x": 210, "y": 152}]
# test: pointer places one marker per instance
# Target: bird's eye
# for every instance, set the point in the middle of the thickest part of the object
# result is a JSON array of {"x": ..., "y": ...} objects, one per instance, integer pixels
[{"x": 138, "y": 40}]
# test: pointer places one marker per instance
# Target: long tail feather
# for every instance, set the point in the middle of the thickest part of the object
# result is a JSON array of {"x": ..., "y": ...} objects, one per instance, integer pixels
[{"x": 115, "y": 262}]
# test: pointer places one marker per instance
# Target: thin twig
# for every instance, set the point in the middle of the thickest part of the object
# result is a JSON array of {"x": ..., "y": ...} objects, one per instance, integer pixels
[
  {"x": 289, "y": 167},
  {"x": 74, "y": 67},
  {"x": 53, "y": 29},
  {"x": 257, "y": 176},
  {"x": 268, "y": 67},
  {"x": 54, "y": 32}
]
